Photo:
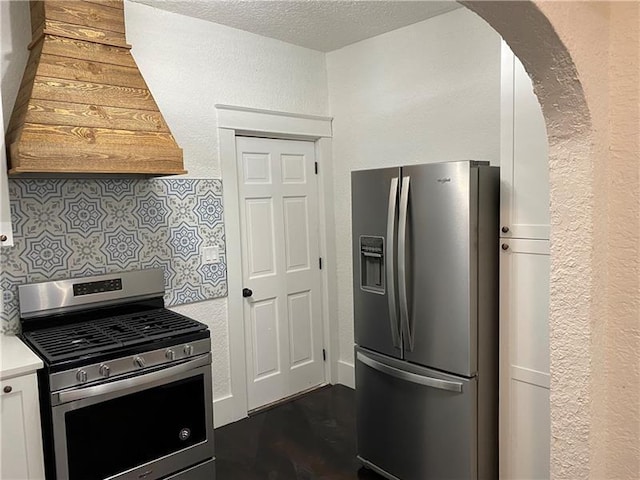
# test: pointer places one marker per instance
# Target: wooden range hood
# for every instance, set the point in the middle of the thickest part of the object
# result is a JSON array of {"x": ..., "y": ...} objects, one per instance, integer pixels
[{"x": 83, "y": 106}]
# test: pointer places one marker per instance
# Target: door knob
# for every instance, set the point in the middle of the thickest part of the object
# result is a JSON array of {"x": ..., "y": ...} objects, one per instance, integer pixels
[{"x": 247, "y": 292}]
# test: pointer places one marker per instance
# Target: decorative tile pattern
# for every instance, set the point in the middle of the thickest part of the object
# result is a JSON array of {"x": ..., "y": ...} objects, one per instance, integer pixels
[
  {"x": 185, "y": 241},
  {"x": 47, "y": 253},
  {"x": 123, "y": 248},
  {"x": 84, "y": 215},
  {"x": 77, "y": 227},
  {"x": 152, "y": 211}
]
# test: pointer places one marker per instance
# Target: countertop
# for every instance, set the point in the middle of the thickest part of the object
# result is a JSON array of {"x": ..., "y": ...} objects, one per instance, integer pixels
[{"x": 16, "y": 358}]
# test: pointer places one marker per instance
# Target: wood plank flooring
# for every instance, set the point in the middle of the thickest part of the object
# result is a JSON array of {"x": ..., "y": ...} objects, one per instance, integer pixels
[{"x": 309, "y": 438}]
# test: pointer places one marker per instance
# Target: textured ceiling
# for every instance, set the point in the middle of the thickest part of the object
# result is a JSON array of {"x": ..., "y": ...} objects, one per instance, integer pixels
[{"x": 320, "y": 25}]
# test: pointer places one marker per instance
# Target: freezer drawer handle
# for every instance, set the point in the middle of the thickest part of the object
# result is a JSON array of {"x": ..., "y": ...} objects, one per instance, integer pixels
[
  {"x": 389, "y": 261},
  {"x": 410, "y": 377}
]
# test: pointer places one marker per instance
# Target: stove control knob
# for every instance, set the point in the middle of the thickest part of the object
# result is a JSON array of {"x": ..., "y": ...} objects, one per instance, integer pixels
[
  {"x": 104, "y": 370},
  {"x": 139, "y": 361},
  {"x": 170, "y": 354},
  {"x": 188, "y": 350},
  {"x": 81, "y": 376}
]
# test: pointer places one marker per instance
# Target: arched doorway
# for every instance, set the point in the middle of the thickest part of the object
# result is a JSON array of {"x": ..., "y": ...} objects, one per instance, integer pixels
[{"x": 592, "y": 119}]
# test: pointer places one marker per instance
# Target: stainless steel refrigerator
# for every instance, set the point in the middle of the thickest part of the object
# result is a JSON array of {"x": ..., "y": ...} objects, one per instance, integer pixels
[{"x": 425, "y": 285}]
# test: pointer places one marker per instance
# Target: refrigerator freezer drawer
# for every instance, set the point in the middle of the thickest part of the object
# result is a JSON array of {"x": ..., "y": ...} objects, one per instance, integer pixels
[{"x": 413, "y": 422}]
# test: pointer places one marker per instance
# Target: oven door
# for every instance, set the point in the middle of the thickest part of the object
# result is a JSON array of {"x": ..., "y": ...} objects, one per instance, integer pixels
[{"x": 142, "y": 427}]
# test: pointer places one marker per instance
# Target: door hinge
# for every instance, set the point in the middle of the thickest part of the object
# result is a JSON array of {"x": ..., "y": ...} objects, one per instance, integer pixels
[
  {"x": 324, "y": 355},
  {"x": 315, "y": 165},
  {"x": 320, "y": 263}
]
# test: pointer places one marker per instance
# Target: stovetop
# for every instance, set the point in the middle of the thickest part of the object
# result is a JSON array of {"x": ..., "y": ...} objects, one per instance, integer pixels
[{"x": 77, "y": 340}]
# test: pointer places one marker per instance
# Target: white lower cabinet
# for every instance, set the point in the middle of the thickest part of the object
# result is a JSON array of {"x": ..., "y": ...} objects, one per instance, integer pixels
[
  {"x": 20, "y": 434},
  {"x": 524, "y": 364}
]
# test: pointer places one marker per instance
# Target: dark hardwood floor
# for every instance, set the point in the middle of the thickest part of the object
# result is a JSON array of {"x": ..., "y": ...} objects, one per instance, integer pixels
[{"x": 309, "y": 438}]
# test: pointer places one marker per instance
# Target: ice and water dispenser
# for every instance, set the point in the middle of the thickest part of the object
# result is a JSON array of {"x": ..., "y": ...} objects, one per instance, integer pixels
[{"x": 372, "y": 277}]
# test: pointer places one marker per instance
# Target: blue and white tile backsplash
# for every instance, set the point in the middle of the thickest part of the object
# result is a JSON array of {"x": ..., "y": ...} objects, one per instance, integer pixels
[{"x": 77, "y": 227}]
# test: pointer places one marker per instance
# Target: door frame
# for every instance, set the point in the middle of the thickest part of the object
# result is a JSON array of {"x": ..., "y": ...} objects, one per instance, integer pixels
[{"x": 242, "y": 121}]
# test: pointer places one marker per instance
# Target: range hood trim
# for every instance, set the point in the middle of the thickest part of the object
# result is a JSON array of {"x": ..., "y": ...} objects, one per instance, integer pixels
[{"x": 83, "y": 106}]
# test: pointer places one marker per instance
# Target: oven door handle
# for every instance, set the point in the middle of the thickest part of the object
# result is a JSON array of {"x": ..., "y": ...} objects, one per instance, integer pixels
[{"x": 106, "y": 388}]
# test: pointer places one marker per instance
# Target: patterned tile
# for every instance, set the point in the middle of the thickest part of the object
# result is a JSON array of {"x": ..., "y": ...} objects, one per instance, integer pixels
[
  {"x": 213, "y": 273},
  {"x": 12, "y": 260},
  {"x": 183, "y": 210},
  {"x": 17, "y": 219},
  {"x": 120, "y": 213},
  {"x": 47, "y": 254},
  {"x": 188, "y": 293},
  {"x": 209, "y": 209},
  {"x": 9, "y": 288},
  {"x": 155, "y": 244},
  {"x": 186, "y": 270},
  {"x": 181, "y": 188},
  {"x": 79, "y": 227},
  {"x": 214, "y": 236},
  {"x": 185, "y": 241},
  {"x": 41, "y": 189},
  {"x": 117, "y": 187},
  {"x": 87, "y": 252},
  {"x": 88, "y": 270},
  {"x": 75, "y": 186},
  {"x": 42, "y": 215},
  {"x": 83, "y": 214},
  {"x": 152, "y": 211},
  {"x": 122, "y": 247}
]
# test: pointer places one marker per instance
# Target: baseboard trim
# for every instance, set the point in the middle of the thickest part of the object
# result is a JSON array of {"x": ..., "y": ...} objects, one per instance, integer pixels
[
  {"x": 225, "y": 411},
  {"x": 346, "y": 374}
]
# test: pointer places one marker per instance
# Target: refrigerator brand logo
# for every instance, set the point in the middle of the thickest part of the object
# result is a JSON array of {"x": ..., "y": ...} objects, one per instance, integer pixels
[{"x": 444, "y": 180}]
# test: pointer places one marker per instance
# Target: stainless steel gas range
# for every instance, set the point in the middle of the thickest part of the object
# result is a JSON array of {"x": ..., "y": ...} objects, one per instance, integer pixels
[{"x": 126, "y": 391}]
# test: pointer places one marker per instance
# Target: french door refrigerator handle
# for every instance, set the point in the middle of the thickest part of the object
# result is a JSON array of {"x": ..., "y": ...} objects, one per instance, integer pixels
[
  {"x": 389, "y": 257},
  {"x": 402, "y": 257},
  {"x": 410, "y": 377}
]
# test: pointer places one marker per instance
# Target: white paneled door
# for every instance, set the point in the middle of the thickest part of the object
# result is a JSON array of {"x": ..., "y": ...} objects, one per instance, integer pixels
[{"x": 280, "y": 266}]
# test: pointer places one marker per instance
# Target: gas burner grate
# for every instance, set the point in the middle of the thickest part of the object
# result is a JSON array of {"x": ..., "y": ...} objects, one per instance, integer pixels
[{"x": 98, "y": 336}]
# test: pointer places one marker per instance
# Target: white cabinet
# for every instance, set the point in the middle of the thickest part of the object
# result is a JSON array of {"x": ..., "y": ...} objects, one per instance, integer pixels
[
  {"x": 21, "y": 456},
  {"x": 524, "y": 164},
  {"x": 524, "y": 279},
  {"x": 20, "y": 435},
  {"x": 6, "y": 235},
  {"x": 524, "y": 364}
]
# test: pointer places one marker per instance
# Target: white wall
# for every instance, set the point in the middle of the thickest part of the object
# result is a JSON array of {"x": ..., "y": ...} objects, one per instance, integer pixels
[
  {"x": 424, "y": 93},
  {"x": 15, "y": 35},
  {"x": 190, "y": 65}
]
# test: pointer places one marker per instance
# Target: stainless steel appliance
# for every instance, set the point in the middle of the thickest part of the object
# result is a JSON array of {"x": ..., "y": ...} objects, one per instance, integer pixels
[
  {"x": 126, "y": 390},
  {"x": 425, "y": 283}
]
